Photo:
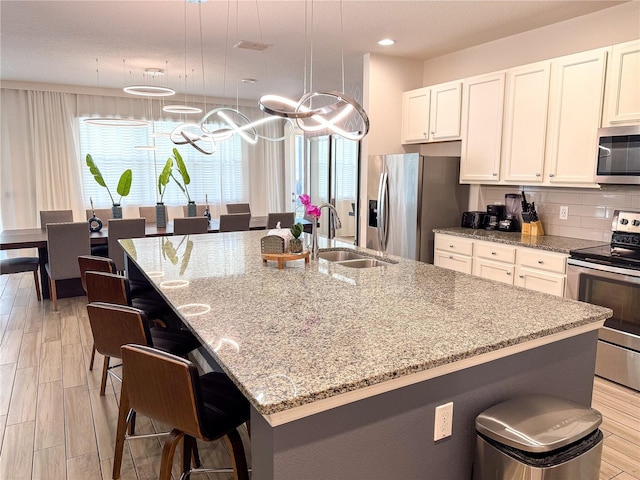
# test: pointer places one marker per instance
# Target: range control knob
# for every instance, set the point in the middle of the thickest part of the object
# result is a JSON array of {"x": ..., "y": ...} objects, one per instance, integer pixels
[
  {"x": 636, "y": 223},
  {"x": 624, "y": 221}
]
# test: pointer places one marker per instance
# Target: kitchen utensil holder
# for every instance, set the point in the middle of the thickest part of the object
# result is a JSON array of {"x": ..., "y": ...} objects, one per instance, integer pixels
[{"x": 533, "y": 229}]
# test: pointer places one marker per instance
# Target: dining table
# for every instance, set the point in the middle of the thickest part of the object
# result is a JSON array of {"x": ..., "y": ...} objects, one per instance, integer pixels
[{"x": 37, "y": 238}]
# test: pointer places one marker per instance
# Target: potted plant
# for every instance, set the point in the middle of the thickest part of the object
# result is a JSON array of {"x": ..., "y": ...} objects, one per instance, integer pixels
[
  {"x": 186, "y": 180},
  {"x": 163, "y": 181},
  {"x": 123, "y": 189},
  {"x": 295, "y": 244}
]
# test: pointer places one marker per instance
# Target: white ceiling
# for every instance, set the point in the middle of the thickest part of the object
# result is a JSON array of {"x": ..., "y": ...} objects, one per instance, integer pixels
[{"x": 59, "y": 41}]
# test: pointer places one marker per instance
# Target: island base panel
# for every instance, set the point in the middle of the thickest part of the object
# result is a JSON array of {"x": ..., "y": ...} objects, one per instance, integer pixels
[{"x": 391, "y": 435}]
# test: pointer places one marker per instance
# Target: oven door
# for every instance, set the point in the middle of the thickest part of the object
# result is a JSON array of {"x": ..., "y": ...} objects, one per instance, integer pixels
[{"x": 618, "y": 357}]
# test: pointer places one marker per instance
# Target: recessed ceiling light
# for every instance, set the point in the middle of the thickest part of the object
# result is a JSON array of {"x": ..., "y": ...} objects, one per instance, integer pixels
[
  {"x": 248, "y": 80},
  {"x": 386, "y": 42}
]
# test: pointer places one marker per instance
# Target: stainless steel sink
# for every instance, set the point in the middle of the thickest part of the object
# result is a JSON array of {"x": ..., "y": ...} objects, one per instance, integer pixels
[
  {"x": 363, "y": 263},
  {"x": 340, "y": 255}
]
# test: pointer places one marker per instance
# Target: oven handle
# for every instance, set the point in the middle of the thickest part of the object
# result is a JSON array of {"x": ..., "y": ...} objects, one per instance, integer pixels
[{"x": 603, "y": 268}]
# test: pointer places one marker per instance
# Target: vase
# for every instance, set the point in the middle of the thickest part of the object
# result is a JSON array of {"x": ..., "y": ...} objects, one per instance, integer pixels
[
  {"x": 161, "y": 215},
  {"x": 116, "y": 211},
  {"x": 191, "y": 209},
  {"x": 295, "y": 245}
]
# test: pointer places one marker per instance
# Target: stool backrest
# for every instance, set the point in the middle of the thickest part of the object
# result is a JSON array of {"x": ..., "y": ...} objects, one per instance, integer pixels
[
  {"x": 199, "y": 210},
  {"x": 91, "y": 263},
  {"x": 163, "y": 387},
  {"x": 115, "y": 325},
  {"x": 108, "y": 288},
  {"x": 185, "y": 226}
]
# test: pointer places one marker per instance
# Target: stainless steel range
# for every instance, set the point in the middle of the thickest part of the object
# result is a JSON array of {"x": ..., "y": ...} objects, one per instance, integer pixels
[{"x": 609, "y": 275}]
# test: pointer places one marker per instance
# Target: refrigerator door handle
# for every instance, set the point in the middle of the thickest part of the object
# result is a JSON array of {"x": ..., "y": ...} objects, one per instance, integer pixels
[{"x": 383, "y": 221}]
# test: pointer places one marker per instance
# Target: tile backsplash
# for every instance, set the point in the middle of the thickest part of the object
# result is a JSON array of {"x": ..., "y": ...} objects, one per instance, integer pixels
[{"x": 590, "y": 210}]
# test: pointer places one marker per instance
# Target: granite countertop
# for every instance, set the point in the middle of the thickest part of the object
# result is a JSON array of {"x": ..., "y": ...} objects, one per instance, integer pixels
[
  {"x": 546, "y": 242},
  {"x": 294, "y": 336}
]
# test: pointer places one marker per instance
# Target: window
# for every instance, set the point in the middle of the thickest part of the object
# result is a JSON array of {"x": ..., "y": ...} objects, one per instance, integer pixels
[{"x": 223, "y": 176}]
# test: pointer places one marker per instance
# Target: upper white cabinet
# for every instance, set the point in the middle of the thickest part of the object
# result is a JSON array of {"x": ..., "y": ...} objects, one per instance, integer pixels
[
  {"x": 622, "y": 91},
  {"x": 482, "y": 110},
  {"x": 525, "y": 123},
  {"x": 575, "y": 110},
  {"x": 415, "y": 115},
  {"x": 431, "y": 114},
  {"x": 444, "y": 116}
]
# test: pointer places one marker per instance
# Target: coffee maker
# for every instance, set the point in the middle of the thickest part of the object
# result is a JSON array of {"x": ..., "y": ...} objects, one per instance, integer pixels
[
  {"x": 495, "y": 213},
  {"x": 512, "y": 211}
]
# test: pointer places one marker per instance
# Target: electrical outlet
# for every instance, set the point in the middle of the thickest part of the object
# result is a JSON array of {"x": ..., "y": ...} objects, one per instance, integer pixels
[
  {"x": 564, "y": 212},
  {"x": 443, "y": 422}
]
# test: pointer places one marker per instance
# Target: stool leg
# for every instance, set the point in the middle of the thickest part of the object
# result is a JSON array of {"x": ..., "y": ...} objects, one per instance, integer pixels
[
  {"x": 168, "y": 451},
  {"x": 238, "y": 459},
  {"x": 37, "y": 282},
  {"x": 105, "y": 371},
  {"x": 93, "y": 357},
  {"x": 121, "y": 432}
]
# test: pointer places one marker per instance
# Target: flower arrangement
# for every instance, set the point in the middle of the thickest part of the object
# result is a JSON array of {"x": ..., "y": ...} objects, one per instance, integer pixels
[{"x": 309, "y": 208}]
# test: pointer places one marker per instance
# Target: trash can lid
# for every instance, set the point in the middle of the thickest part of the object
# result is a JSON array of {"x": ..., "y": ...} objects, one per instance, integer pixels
[{"x": 537, "y": 423}]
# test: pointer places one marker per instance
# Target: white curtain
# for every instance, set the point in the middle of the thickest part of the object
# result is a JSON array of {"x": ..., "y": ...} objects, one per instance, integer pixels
[{"x": 39, "y": 157}]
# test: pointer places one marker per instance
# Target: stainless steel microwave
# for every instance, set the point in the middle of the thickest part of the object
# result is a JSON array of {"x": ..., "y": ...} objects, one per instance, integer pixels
[{"x": 618, "y": 155}]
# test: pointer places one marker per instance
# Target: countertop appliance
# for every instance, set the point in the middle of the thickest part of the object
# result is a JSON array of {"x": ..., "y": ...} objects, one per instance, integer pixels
[
  {"x": 475, "y": 219},
  {"x": 512, "y": 210},
  {"x": 495, "y": 213},
  {"x": 618, "y": 153},
  {"x": 609, "y": 275},
  {"x": 409, "y": 195}
]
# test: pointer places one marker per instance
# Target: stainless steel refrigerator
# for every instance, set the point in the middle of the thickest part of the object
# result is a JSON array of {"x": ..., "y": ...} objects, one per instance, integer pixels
[{"x": 408, "y": 195}]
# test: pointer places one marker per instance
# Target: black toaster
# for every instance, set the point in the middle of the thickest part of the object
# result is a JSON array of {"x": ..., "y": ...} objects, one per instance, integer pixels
[{"x": 473, "y": 219}]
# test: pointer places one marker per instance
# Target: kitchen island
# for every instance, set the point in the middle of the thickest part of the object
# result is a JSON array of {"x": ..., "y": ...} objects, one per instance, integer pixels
[{"x": 344, "y": 366}]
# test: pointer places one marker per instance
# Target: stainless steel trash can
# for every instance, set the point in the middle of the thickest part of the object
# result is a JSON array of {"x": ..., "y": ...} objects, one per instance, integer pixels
[{"x": 538, "y": 437}]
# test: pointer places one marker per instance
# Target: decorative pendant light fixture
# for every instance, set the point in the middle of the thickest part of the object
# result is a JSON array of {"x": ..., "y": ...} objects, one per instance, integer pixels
[
  {"x": 335, "y": 107},
  {"x": 150, "y": 90}
]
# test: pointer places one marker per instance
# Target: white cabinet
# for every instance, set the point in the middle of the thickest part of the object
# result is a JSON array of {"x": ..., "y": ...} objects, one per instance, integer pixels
[
  {"x": 622, "y": 91},
  {"x": 526, "y": 267},
  {"x": 453, "y": 253},
  {"x": 415, "y": 115},
  {"x": 575, "y": 109},
  {"x": 525, "y": 123},
  {"x": 482, "y": 111},
  {"x": 431, "y": 114},
  {"x": 444, "y": 116}
]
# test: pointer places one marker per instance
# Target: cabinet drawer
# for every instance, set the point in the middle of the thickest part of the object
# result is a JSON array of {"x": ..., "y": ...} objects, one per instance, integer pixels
[
  {"x": 502, "y": 272},
  {"x": 449, "y": 243},
  {"x": 451, "y": 261},
  {"x": 541, "y": 260},
  {"x": 495, "y": 251}
]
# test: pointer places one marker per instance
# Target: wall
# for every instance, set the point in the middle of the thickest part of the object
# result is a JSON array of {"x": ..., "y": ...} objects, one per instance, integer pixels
[
  {"x": 590, "y": 210},
  {"x": 603, "y": 28}
]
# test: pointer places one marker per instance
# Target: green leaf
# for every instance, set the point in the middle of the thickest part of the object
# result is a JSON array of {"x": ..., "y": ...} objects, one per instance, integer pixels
[
  {"x": 95, "y": 171},
  {"x": 296, "y": 230},
  {"x": 124, "y": 184},
  {"x": 182, "y": 168},
  {"x": 163, "y": 178}
]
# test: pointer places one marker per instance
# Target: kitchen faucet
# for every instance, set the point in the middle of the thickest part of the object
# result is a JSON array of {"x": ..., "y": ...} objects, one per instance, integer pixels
[{"x": 335, "y": 224}]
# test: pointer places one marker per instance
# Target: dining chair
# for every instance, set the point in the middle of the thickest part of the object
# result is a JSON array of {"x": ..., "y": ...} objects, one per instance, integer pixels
[
  {"x": 199, "y": 210},
  {"x": 188, "y": 225},
  {"x": 234, "y": 222},
  {"x": 123, "y": 228},
  {"x": 103, "y": 214},
  {"x": 168, "y": 389},
  {"x": 238, "y": 208},
  {"x": 65, "y": 243},
  {"x": 55, "y": 216},
  {"x": 286, "y": 219},
  {"x": 149, "y": 214},
  {"x": 22, "y": 264}
]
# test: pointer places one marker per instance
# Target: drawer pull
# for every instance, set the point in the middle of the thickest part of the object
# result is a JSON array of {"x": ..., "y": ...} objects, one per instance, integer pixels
[
  {"x": 521, "y": 276},
  {"x": 494, "y": 174},
  {"x": 450, "y": 257},
  {"x": 451, "y": 246},
  {"x": 493, "y": 253},
  {"x": 540, "y": 262},
  {"x": 508, "y": 273}
]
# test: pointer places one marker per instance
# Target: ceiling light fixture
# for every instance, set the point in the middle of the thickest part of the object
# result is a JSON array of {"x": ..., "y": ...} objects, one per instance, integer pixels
[
  {"x": 149, "y": 91},
  {"x": 338, "y": 104},
  {"x": 385, "y": 42}
]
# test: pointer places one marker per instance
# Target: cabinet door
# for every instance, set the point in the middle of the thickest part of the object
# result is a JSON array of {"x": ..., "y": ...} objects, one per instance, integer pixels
[
  {"x": 544, "y": 282},
  {"x": 482, "y": 103},
  {"x": 502, "y": 272},
  {"x": 444, "y": 118},
  {"x": 525, "y": 123},
  {"x": 451, "y": 261},
  {"x": 415, "y": 116},
  {"x": 622, "y": 92},
  {"x": 577, "y": 91}
]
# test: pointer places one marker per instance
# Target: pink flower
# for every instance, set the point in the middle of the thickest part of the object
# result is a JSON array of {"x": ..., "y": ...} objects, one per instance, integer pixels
[
  {"x": 313, "y": 210},
  {"x": 305, "y": 199}
]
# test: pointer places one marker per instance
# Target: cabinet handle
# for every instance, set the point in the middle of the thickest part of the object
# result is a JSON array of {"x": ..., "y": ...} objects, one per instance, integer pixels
[
  {"x": 450, "y": 257},
  {"x": 451, "y": 246},
  {"x": 552, "y": 174},
  {"x": 540, "y": 262},
  {"x": 521, "y": 276},
  {"x": 493, "y": 253},
  {"x": 538, "y": 175},
  {"x": 508, "y": 273},
  {"x": 424, "y": 134},
  {"x": 433, "y": 132},
  {"x": 494, "y": 174}
]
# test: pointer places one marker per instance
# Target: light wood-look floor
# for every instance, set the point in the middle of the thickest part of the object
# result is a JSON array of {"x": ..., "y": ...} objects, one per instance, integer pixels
[{"x": 55, "y": 425}]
